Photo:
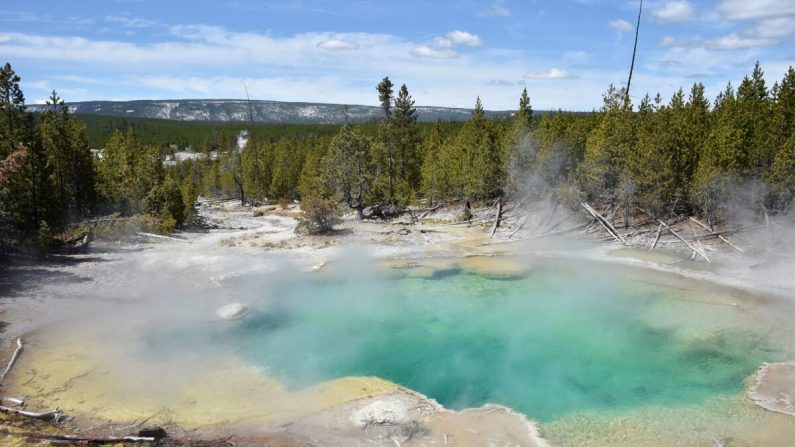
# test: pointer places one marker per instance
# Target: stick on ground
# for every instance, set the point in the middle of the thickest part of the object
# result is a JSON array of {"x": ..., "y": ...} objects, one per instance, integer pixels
[{"x": 11, "y": 362}]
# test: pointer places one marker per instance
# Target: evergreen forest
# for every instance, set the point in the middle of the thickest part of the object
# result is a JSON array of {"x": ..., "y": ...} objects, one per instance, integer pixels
[{"x": 662, "y": 155}]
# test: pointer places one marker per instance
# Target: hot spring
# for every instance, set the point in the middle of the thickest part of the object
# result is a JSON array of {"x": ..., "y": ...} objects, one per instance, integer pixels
[{"x": 569, "y": 344}]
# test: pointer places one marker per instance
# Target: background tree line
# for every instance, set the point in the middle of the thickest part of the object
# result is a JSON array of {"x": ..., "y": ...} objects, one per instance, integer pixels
[
  {"x": 684, "y": 154},
  {"x": 50, "y": 180}
]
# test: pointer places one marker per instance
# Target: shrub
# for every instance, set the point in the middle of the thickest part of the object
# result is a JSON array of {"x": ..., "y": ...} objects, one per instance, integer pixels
[{"x": 318, "y": 215}]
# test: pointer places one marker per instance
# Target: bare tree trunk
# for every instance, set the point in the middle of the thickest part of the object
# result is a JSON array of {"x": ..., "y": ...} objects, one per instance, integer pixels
[{"x": 634, "y": 50}]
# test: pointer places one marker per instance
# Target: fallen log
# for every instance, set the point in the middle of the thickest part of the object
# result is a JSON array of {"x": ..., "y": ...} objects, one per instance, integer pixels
[
  {"x": 518, "y": 227},
  {"x": 497, "y": 218},
  {"x": 728, "y": 232},
  {"x": 80, "y": 440},
  {"x": 49, "y": 416},
  {"x": 557, "y": 233},
  {"x": 548, "y": 218},
  {"x": 159, "y": 236},
  {"x": 719, "y": 236},
  {"x": 14, "y": 400},
  {"x": 428, "y": 211},
  {"x": 605, "y": 223},
  {"x": 656, "y": 238},
  {"x": 689, "y": 245},
  {"x": 11, "y": 362}
]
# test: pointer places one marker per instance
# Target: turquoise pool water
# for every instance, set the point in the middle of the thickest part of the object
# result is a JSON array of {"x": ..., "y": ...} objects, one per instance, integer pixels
[{"x": 557, "y": 341}]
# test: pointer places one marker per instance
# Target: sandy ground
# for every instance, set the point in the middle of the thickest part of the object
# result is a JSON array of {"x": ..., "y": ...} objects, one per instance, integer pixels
[{"x": 230, "y": 399}]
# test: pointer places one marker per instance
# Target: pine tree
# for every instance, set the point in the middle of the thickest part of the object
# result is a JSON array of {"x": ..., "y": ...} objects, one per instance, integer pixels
[
  {"x": 128, "y": 171},
  {"x": 257, "y": 169},
  {"x": 350, "y": 168},
  {"x": 386, "y": 156},
  {"x": 754, "y": 121},
  {"x": 385, "y": 98},
  {"x": 476, "y": 160},
  {"x": 692, "y": 127},
  {"x": 524, "y": 116},
  {"x": 723, "y": 159},
  {"x": 405, "y": 139},
  {"x": 189, "y": 197},
  {"x": 26, "y": 199},
  {"x": 782, "y": 177},
  {"x": 650, "y": 163},
  {"x": 15, "y": 124},
  {"x": 434, "y": 186},
  {"x": 607, "y": 147},
  {"x": 785, "y": 108},
  {"x": 65, "y": 143}
]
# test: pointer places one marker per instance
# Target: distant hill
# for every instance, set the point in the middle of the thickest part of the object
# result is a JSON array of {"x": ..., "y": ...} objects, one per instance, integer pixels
[{"x": 237, "y": 111}]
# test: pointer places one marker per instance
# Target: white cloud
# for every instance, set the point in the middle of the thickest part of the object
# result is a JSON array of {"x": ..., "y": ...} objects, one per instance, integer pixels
[
  {"x": 553, "y": 73},
  {"x": 442, "y": 42},
  {"x": 130, "y": 22},
  {"x": 675, "y": 11},
  {"x": 669, "y": 41},
  {"x": 578, "y": 57},
  {"x": 464, "y": 38},
  {"x": 755, "y": 9},
  {"x": 427, "y": 52},
  {"x": 497, "y": 8},
  {"x": 337, "y": 45},
  {"x": 503, "y": 83},
  {"x": 731, "y": 41},
  {"x": 212, "y": 62},
  {"x": 622, "y": 25},
  {"x": 772, "y": 28}
]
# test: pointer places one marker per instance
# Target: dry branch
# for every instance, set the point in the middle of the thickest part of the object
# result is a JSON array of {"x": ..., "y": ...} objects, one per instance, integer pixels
[
  {"x": 557, "y": 233},
  {"x": 549, "y": 216},
  {"x": 605, "y": 223},
  {"x": 719, "y": 236},
  {"x": 79, "y": 440},
  {"x": 518, "y": 227},
  {"x": 158, "y": 236},
  {"x": 427, "y": 211},
  {"x": 689, "y": 245},
  {"x": 11, "y": 362},
  {"x": 53, "y": 416},
  {"x": 656, "y": 238},
  {"x": 497, "y": 218}
]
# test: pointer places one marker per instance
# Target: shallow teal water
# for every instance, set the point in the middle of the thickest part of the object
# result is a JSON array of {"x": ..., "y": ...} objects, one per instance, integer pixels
[{"x": 548, "y": 344}]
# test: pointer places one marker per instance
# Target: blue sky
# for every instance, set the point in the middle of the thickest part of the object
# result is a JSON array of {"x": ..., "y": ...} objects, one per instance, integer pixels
[{"x": 566, "y": 52}]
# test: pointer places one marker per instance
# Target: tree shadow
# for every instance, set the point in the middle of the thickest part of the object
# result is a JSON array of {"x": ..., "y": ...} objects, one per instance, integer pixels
[
  {"x": 21, "y": 274},
  {"x": 15, "y": 280}
]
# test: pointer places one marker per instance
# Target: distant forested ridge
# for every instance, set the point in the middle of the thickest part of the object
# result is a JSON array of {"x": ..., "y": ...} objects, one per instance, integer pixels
[
  {"x": 664, "y": 156},
  {"x": 238, "y": 111},
  {"x": 171, "y": 136}
]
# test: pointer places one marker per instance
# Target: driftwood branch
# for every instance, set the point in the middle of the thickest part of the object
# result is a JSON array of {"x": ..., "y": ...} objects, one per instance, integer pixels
[
  {"x": 428, "y": 211},
  {"x": 80, "y": 440},
  {"x": 728, "y": 232},
  {"x": 11, "y": 362},
  {"x": 604, "y": 222},
  {"x": 158, "y": 236},
  {"x": 50, "y": 416},
  {"x": 518, "y": 227},
  {"x": 497, "y": 217},
  {"x": 656, "y": 238},
  {"x": 719, "y": 236},
  {"x": 678, "y": 236}
]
